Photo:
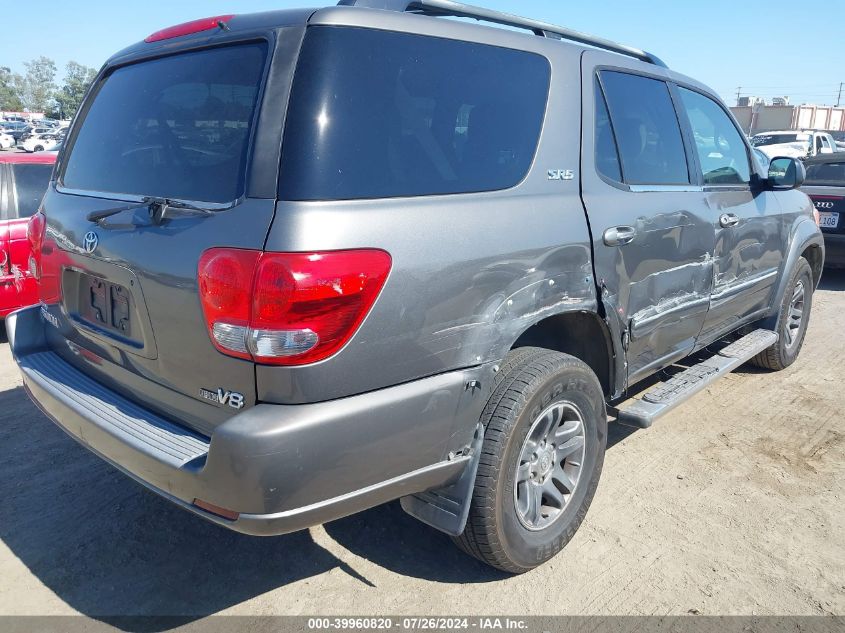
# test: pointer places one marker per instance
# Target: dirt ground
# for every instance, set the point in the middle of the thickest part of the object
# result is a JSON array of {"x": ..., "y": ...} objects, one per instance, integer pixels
[{"x": 732, "y": 504}]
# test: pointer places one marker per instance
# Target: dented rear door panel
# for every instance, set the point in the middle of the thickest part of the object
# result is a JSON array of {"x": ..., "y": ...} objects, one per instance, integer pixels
[{"x": 655, "y": 289}]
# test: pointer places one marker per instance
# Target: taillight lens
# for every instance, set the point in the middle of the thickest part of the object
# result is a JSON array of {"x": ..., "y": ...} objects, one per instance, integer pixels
[
  {"x": 288, "y": 308},
  {"x": 35, "y": 230}
]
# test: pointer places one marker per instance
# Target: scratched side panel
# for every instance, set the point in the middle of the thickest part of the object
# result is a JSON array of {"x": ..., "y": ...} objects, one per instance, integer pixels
[{"x": 470, "y": 272}]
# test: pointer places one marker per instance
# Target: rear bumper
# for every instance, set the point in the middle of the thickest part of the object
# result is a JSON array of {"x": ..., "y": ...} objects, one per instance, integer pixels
[
  {"x": 834, "y": 245},
  {"x": 281, "y": 467}
]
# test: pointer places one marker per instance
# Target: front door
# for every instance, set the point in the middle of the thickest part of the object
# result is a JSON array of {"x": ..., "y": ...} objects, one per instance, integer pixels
[{"x": 746, "y": 220}]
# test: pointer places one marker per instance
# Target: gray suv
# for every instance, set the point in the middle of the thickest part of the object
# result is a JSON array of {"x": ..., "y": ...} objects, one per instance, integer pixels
[{"x": 298, "y": 264}]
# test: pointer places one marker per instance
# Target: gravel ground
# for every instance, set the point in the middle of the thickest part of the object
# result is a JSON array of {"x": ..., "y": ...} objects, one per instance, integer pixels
[{"x": 732, "y": 504}]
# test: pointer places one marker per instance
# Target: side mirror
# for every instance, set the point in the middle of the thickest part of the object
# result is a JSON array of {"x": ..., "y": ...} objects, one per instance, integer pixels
[{"x": 786, "y": 173}]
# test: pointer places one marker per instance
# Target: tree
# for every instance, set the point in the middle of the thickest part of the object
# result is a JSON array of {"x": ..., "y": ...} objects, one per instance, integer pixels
[
  {"x": 8, "y": 95},
  {"x": 37, "y": 87},
  {"x": 69, "y": 96}
]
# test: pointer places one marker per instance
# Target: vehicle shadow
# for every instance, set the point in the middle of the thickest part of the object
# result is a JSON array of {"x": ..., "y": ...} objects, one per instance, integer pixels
[
  {"x": 107, "y": 547},
  {"x": 110, "y": 549},
  {"x": 833, "y": 279}
]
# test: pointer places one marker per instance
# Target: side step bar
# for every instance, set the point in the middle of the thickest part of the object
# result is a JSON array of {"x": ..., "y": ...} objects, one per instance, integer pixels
[{"x": 668, "y": 395}]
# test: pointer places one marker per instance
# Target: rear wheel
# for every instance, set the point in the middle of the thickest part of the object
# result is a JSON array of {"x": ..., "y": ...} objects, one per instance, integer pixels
[
  {"x": 793, "y": 318},
  {"x": 38, "y": 148},
  {"x": 546, "y": 432}
]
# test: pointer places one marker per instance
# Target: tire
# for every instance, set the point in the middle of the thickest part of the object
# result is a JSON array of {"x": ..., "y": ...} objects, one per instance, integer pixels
[
  {"x": 790, "y": 333},
  {"x": 37, "y": 148},
  {"x": 535, "y": 389}
]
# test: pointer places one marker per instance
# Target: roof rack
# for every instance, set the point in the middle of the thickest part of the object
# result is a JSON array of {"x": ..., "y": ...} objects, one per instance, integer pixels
[{"x": 543, "y": 29}]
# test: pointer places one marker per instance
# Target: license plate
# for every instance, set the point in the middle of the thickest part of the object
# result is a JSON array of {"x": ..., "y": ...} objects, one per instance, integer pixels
[{"x": 828, "y": 219}]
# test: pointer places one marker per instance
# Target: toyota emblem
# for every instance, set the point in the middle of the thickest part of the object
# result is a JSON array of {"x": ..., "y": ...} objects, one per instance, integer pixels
[{"x": 90, "y": 241}]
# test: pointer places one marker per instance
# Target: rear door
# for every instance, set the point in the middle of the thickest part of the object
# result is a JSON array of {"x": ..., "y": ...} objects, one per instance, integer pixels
[
  {"x": 652, "y": 235},
  {"x": 747, "y": 221},
  {"x": 124, "y": 290}
]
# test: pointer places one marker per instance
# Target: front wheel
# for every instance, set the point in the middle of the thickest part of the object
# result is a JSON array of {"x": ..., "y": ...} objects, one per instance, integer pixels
[
  {"x": 544, "y": 443},
  {"x": 793, "y": 318}
]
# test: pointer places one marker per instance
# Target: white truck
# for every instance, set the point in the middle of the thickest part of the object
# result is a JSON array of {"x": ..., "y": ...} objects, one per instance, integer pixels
[{"x": 794, "y": 143}]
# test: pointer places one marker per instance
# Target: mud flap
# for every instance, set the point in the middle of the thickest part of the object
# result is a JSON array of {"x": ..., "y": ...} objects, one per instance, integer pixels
[{"x": 447, "y": 509}]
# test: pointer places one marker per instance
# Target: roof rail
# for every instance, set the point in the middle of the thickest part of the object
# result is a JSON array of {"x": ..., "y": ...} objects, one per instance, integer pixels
[{"x": 543, "y": 29}]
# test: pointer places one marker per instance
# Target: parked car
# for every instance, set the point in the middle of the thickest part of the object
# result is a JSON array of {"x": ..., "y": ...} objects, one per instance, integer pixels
[
  {"x": 23, "y": 181},
  {"x": 7, "y": 141},
  {"x": 467, "y": 250},
  {"x": 825, "y": 185},
  {"x": 795, "y": 144},
  {"x": 41, "y": 142},
  {"x": 31, "y": 131},
  {"x": 14, "y": 129}
]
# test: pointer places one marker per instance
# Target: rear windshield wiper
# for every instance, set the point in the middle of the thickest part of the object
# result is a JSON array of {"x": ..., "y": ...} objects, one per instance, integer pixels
[
  {"x": 97, "y": 216},
  {"x": 157, "y": 206}
]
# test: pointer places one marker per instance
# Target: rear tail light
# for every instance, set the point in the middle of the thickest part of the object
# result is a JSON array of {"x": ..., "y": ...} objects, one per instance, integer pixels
[
  {"x": 288, "y": 308},
  {"x": 35, "y": 230}
]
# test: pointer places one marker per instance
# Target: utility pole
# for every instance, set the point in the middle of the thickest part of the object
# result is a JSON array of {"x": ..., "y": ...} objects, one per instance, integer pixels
[
  {"x": 738, "y": 92},
  {"x": 839, "y": 98}
]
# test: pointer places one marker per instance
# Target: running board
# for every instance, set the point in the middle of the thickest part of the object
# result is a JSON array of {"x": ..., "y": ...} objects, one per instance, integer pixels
[{"x": 668, "y": 395}]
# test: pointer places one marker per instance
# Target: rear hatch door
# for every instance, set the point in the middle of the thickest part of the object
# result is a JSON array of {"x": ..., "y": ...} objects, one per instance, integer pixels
[{"x": 124, "y": 289}]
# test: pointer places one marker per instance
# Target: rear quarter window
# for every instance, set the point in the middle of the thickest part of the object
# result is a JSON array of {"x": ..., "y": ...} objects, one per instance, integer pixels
[
  {"x": 177, "y": 127},
  {"x": 377, "y": 114}
]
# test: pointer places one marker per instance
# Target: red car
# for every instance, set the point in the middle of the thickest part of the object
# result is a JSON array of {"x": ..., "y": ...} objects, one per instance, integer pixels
[{"x": 23, "y": 181}]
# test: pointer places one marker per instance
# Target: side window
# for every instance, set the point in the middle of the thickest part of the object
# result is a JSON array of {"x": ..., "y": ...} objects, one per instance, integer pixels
[
  {"x": 31, "y": 183},
  {"x": 721, "y": 150},
  {"x": 607, "y": 156},
  {"x": 647, "y": 131},
  {"x": 424, "y": 116}
]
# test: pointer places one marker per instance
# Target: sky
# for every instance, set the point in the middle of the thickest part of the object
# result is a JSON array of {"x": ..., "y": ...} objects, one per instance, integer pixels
[{"x": 767, "y": 47}]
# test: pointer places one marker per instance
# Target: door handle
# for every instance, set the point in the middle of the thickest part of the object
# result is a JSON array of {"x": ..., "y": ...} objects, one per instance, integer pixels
[
  {"x": 728, "y": 219},
  {"x": 619, "y": 235}
]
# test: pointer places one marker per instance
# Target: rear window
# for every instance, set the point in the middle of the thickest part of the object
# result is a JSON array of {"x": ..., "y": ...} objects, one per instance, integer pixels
[
  {"x": 826, "y": 174},
  {"x": 376, "y": 114},
  {"x": 30, "y": 184},
  {"x": 177, "y": 127},
  {"x": 761, "y": 140}
]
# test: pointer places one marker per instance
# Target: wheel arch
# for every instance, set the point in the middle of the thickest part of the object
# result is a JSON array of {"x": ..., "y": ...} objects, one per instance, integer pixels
[
  {"x": 807, "y": 241},
  {"x": 581, "y": 334}
]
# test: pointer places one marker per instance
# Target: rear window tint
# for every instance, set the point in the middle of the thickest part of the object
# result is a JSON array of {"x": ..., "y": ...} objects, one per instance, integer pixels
[
  {"x": 607, "y": 156},
  {"x": 647, "y": 130},
  {"x": 177, "y": 127},
  {"x": 30, "y": 184},
  {"x": 826, "y": 173},
  {"x": 376, "y": 114}
]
